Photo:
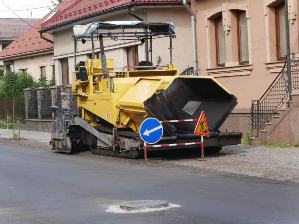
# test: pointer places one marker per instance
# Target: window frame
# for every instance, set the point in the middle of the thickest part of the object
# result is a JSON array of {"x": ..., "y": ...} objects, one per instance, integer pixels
[
  {"x": 23, "y": 70},
  {"x": 53, "y": 73},
  {"x": 278, "y": 32},
  {"x": 216, "y": 21},
  {"x": 241, "y": 62},
  {"x": 41, "y": 70},
  {"x": 64, "y": 66},
  {"x": 135, "y": 55}
]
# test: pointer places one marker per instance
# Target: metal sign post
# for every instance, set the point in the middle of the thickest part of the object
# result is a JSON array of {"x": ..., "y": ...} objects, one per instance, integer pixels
[
  {"x": 151, "y": 131},
  {"x": 202, "y": 129},
  {"x": 202, "y": 148},
  {"x": 145, "y": 151}
]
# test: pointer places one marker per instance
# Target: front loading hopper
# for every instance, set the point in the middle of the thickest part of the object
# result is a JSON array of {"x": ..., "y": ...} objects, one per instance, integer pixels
[{"x": 186, "y": 98}]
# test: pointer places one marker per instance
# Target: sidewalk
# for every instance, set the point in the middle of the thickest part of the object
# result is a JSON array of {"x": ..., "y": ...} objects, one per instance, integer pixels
[
  {"x": 259, "y": 161},
  {"x": 41, "y": 137}
]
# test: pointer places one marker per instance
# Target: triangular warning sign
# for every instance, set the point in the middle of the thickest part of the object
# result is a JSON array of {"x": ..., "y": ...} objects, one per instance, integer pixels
[{"x": 202, "y": 126}]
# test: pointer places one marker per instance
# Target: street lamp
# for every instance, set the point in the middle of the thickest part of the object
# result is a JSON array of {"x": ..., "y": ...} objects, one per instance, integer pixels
[{"x": 288, "y": 58}]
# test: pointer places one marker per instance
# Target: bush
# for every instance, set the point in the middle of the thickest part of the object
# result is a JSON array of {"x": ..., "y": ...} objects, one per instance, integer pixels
[
  {"x": 2, "y": 88},
  {"x": 13, "y": 84},
  {"x": 44, "y": 83},
  {"x": 24, "y": 81},
  {"x": 1, "y": 71},
  {"x": 10, "y": 84}
]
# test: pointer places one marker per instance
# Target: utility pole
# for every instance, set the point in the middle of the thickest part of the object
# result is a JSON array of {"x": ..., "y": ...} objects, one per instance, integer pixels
[{"x": 288, "y": 58}]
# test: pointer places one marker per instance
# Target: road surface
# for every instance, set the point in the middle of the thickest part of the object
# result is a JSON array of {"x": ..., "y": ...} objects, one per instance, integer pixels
[{"x": 38, "y": 186}]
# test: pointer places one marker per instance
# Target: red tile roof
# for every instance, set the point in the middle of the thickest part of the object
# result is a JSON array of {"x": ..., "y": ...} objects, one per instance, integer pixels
[
  {"x": 30, "y": 42},
  {"x": 82, "y": 9},
  {"x": 11, "y": 28},
  {"x": 27, "y": 44}
]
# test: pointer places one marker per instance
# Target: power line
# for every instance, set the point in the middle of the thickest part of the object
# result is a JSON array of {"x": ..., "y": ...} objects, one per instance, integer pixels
[
  {"x": 28, "y": 9},
  {"x": 12, "y": 11}
]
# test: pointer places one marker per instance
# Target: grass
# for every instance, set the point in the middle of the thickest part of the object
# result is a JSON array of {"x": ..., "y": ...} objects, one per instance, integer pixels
[
  {"x": 9, "y": 124},
  {"x": 281, "y": 145},
  {"x": 246, "y": 140},
  {"x": 4, "y": 125}
]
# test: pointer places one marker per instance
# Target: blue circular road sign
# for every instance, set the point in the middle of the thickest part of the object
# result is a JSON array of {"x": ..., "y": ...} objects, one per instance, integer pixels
[{"x": 151, "y": 131}]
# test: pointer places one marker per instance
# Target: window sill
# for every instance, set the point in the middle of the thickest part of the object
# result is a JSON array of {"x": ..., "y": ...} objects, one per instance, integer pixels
[
  {"x": 275, "y": 67},
  {"x": 240, "y": 70}
]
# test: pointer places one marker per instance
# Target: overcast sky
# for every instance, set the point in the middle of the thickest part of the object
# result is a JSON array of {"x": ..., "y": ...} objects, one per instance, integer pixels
[{"x": 25, "y": 8}]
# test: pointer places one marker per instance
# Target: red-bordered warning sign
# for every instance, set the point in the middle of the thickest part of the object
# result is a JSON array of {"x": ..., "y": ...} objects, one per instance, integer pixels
[{"x": 202, "y": 126}]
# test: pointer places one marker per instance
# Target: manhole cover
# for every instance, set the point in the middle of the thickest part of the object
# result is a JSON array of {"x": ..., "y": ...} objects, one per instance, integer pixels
[
  {"x": 141, "y": 206},
  {"x": 145, "y": 204}
]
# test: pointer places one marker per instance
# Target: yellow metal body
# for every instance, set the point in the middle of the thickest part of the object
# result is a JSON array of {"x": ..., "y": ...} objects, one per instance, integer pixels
[{"x": 119, "y": 98}]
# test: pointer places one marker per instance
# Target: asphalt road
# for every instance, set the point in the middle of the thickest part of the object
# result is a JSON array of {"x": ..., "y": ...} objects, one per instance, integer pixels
[{"x": 38, "y": 186}]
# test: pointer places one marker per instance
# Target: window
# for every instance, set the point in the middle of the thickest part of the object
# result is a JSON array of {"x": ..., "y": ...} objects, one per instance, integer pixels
[
  {"x": 220, "y": 42},
  {"x": 53, "y": 73},
  {"x": 132, "y": 56},
  {"x": 43, "y": 75},
  {"x": 23, "y": 70},
  {"x": 280, "y": 21},
  {"x": 243, "y": 52},
  {"x": 65, "y": 71},
  {"x": 7, "y": 68}
]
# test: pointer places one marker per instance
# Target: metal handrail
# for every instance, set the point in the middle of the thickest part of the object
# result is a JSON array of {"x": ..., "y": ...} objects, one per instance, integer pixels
[
  {"x": 274, "y": 81},
  {"x": 276, "y": 95}
]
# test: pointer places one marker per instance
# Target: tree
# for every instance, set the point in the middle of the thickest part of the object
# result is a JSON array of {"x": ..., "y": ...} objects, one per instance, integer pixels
[
  {"x": 1, "y": 71},
  {"x": 12, "y": 84}
]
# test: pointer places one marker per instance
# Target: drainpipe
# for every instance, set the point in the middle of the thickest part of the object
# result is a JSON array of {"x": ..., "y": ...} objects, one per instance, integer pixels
[
  {"x": 289, "y": 73},
  {"x": 194, "y": 41},
  {"x": 44, "y": 38}
]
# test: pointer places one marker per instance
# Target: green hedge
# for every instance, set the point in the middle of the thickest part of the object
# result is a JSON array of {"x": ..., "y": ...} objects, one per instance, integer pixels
[{"x": 13, "y": 84}]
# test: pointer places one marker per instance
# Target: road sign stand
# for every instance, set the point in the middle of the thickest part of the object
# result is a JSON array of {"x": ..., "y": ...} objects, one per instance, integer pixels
[
  {"x": 145, "y": 152},
  {"x": 146, "y": 146},
  {"x": 202, "y": 145}
]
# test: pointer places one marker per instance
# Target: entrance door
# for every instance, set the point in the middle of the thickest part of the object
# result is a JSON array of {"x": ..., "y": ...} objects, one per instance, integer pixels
[{"x": 65, "y": 71}]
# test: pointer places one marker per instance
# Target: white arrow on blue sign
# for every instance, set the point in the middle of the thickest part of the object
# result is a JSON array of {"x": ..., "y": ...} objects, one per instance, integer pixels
[{"x": 151, "y": 131}]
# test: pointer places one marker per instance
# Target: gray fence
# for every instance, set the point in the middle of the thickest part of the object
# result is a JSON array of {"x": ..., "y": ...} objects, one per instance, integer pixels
[
  {"x": 12, "y": 111},
  {"x": 38, "y": 102}
]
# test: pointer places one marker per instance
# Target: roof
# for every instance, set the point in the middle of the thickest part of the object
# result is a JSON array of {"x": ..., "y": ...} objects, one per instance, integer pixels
[
  {"x": 12, "y": 28},
  {"x": 31, "y": 43},
  {"x": 82, "y": 9},
  {"x": 27, "y": 44}
]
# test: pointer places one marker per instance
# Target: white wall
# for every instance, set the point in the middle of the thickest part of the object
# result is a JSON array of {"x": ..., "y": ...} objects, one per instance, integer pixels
[
  {"x": 33, "y": 64},
  {"x": 182, "y": 44}
]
